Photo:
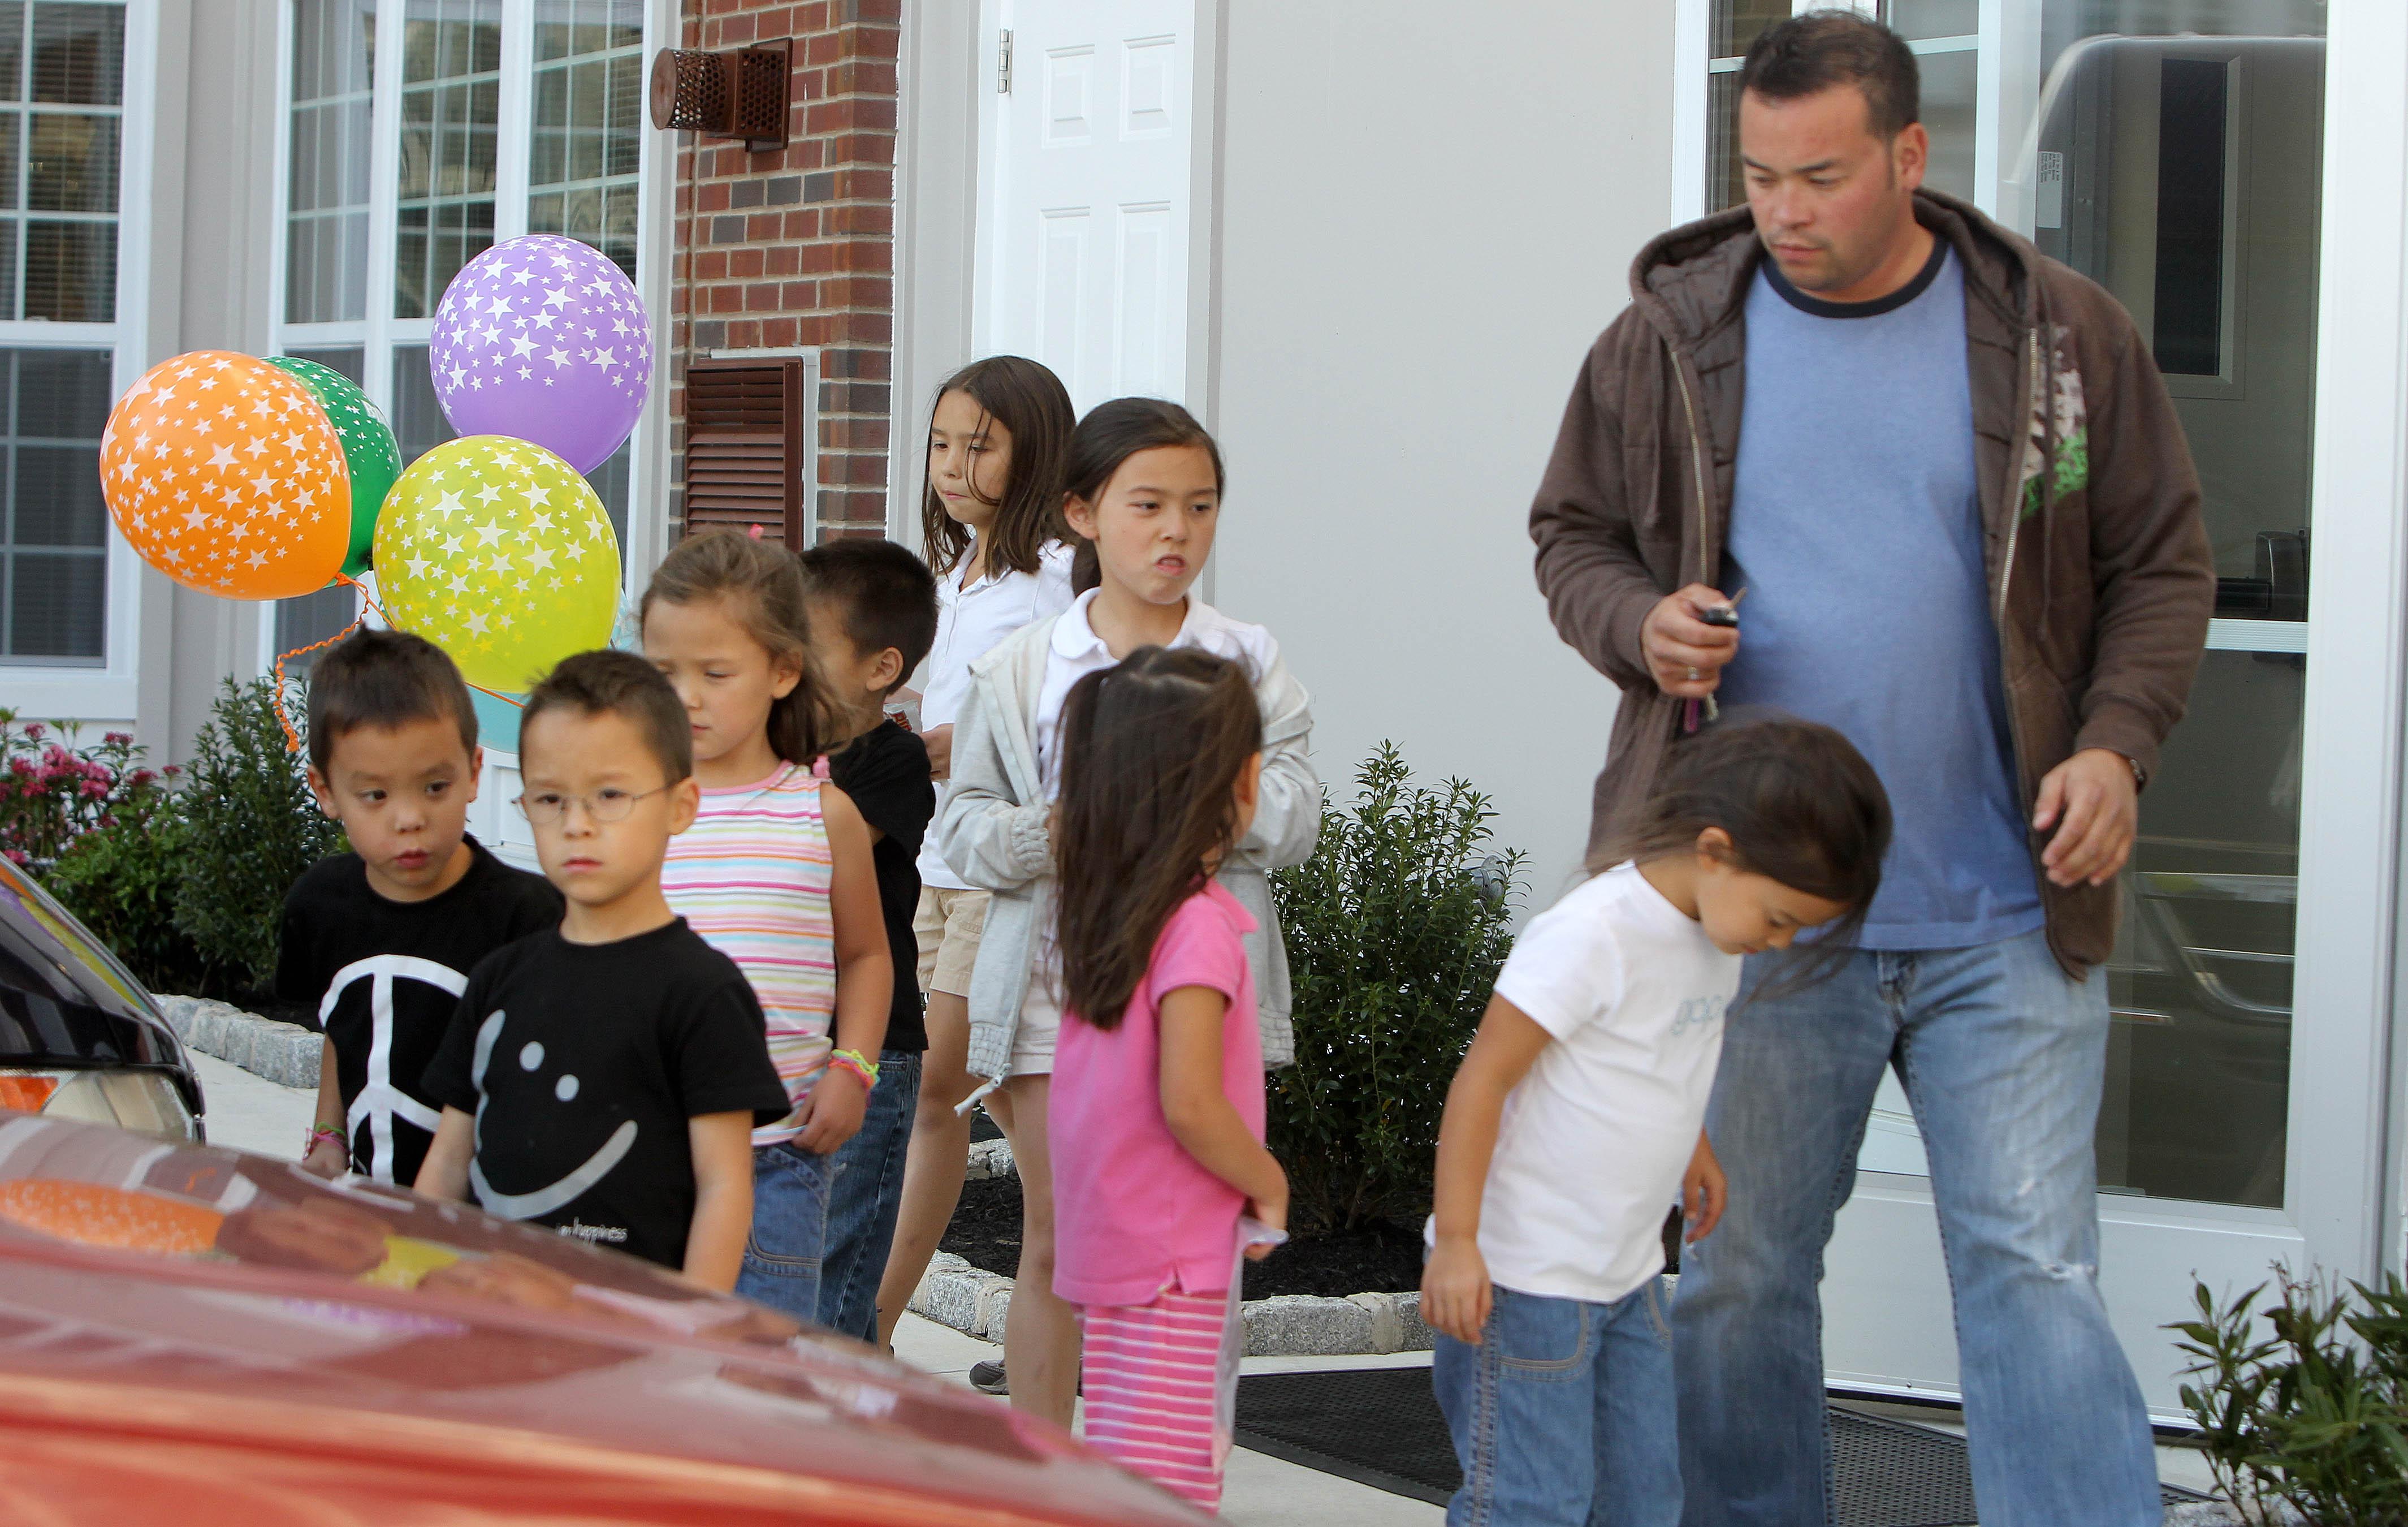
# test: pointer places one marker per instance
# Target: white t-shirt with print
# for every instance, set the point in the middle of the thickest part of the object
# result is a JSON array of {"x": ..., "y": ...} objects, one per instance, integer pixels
[
  {"x": 1593, "y": 1142},
  {"x": 970, "y": 623}
]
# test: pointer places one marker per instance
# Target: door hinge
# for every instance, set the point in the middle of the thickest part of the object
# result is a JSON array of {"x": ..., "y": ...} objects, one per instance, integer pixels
[{"x": 1003, "y": 63}]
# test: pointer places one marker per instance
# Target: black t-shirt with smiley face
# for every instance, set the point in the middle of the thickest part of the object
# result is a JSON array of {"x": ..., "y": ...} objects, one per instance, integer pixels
[{"x": 582, "y": 1063}]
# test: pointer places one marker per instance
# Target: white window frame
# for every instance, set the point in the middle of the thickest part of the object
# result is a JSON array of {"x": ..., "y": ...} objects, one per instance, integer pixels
[
  {"x": 380, "y": 333},
  {"x": 107, "y": 691}
]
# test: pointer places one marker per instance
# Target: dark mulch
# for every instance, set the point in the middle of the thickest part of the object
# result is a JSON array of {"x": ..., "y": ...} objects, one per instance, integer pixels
[
  {"x": 300, "y": 1014},
  {"x": 1382, "y": 1258}
]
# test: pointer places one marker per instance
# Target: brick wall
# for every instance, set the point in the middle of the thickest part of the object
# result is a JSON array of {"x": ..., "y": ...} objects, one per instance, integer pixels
[{"x": 798, "y": 247}]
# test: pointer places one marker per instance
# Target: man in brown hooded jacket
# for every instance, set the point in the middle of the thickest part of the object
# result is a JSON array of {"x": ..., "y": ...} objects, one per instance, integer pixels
[{"x": 1981, "y": 555}]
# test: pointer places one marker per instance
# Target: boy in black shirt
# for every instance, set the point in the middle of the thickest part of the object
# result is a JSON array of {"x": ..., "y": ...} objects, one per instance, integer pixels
[
  {"x": 381, "y": 940},
  {"x": 873, "y": 618},
  {"x": 604, "y": 1078}
]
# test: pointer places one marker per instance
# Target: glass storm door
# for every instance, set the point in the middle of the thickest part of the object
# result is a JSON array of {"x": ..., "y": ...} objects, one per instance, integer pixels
[{"x": 2175, "y": 156}]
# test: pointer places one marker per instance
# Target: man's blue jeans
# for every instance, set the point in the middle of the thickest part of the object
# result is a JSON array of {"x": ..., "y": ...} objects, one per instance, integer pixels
[
  {"x": 790, "y": 1222},
  {"x": 2003, "y": 1059},
  {"x": 1562, "y": 1416},
  {"x": 868, "y": 1195}
]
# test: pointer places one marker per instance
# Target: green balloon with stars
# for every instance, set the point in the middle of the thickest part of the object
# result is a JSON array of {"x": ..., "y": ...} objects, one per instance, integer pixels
[
  {"x": 369, "y": 449},
  {"x": 498, "y": 552}
]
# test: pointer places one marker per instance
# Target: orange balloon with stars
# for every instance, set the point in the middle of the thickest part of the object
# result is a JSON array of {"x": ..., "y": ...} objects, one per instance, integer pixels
[{"x": 226, "y": 475}]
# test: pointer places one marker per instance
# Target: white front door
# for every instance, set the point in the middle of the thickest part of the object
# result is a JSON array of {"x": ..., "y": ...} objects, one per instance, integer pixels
[
  {"x": 2184, "y": 173},
  {"x": 1083, "y": 194}
]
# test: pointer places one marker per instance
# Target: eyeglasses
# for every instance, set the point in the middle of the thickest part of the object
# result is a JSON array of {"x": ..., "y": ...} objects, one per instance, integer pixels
[{"x": 607, "y": 804}]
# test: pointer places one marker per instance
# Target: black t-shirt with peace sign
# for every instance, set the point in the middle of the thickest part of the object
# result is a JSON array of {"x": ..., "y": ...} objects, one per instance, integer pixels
[{"x": 385, "y": 978}]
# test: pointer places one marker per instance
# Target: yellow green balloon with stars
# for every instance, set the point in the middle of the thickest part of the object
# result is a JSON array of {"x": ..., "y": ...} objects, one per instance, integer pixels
[
  {"x": 369, "y": 448},
  {"x": 498, "y": 552}
]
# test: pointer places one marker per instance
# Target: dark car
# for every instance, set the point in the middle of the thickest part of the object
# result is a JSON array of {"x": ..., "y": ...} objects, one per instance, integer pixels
[
  {"x": 78, "y": 1036},
  {"x": 203, "y": 1336}
]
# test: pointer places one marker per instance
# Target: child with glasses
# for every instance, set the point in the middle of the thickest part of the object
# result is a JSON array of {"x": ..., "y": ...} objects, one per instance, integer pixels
[{"x": 605, "y": 1077}]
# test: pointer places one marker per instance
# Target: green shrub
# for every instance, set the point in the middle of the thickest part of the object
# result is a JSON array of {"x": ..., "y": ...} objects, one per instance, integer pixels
[
  {"x": 2311, "y": 1407},
  {"x": 1396, "y": 928},
  {"x": 250, "y": 827},
  {"x": 121, "y": 880}
]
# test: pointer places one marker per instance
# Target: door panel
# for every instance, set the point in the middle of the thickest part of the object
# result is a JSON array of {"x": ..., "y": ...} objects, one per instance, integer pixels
[{"x": 1085, "y": 196}]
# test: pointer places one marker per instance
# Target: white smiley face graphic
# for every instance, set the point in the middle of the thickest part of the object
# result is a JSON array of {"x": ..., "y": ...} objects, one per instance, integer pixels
[{"x": 559, "y": 1195}]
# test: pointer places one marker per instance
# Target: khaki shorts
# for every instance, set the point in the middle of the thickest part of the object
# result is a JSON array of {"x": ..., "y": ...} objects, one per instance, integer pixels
[{"x": 948, "y": 924}]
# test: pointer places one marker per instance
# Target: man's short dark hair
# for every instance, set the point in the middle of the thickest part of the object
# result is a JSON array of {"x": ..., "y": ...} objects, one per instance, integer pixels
[
  {"x": 1806, "y": 56},
  {"x": 384, "y": 679},
  {"x": 885, "y": 595},
  {"x": 623, "y": 684}
]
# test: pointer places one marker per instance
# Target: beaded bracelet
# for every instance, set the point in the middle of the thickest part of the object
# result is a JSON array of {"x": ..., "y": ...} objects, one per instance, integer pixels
[
  {"x": 857, "y": 1063},
  {"x": 335, "y": 1133}
]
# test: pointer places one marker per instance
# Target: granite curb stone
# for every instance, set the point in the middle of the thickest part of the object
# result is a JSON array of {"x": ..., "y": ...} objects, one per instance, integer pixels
[{"x": 280, "y": 1052}]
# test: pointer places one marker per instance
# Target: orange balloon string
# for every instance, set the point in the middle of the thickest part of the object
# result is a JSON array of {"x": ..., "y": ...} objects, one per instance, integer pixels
[{"x": 292, "y": 738}]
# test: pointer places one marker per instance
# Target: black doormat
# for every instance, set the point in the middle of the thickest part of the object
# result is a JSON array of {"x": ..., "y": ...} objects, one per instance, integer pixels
[{"x": 1381, "y": 1427}]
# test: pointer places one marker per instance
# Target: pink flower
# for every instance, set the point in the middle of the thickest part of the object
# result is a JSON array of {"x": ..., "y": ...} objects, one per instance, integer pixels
[
  {"x": 19, "y": 856},
  {"x": 140, "y": 778},
  {"x": 93, "y": 789},
  {"x": 119, "y": 738},
  {"x": 36, "y": 731},
  {"x": 20, "y": 766},
  {"x": 173, "y": 771}
]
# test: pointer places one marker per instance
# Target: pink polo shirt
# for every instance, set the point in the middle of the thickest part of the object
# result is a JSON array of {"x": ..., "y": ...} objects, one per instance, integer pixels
[{"x": 1133, "y": 1213}]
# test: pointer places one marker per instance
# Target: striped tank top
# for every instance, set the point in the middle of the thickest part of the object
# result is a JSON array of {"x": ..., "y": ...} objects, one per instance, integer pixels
[{"x": 753, "y": 876}]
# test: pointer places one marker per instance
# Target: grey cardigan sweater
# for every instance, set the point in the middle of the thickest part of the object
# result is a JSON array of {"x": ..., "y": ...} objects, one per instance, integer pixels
[{"x": 995, "y": 834}]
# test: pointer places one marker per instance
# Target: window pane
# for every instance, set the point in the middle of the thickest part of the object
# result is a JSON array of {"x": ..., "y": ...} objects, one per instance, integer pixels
[
  {"x": 1725, "y": 183},
  {"x": 57, "y": 605},
  {"x": 71, "y": 271},
  {"x": 12, "y": 125},
  {"x": 451, "y": 103},
  {"x": 610, "y": 483},
  {"x": 1915, "y": 20},
  {"x": 58, "y": 496},
  {"x": 326, "y": 274},
  {"x": 73, "y": 166},
  {"x": 1736, "y": 22},
  {"x": 79, "y": 53},
  {"x": 588, "y": 123},
  {"x": 352, "y": 360},
  {"x": 1948, "y": 87},
  {"x": 56, "y": 547},
  {"x": 12, "y": 49},
  {"x": 309, "y": 620},
  {"x": 417, "y": 423}
]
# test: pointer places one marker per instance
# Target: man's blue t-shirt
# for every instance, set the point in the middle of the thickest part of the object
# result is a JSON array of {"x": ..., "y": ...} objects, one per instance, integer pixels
[{"x": 1856, "y": 528}]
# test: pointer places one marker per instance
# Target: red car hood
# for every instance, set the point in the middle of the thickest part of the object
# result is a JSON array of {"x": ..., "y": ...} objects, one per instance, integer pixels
[{"x": 226, "y": 1338}]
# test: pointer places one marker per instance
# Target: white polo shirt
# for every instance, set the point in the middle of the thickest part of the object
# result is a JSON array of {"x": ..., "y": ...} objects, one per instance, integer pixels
[
  {"x": 971, "y": 622},
  {"x": 1078, "y": 651}
]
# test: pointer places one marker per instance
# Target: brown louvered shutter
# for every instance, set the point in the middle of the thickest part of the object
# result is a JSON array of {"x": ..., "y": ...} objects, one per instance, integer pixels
[{"x": 747, "y": 461}]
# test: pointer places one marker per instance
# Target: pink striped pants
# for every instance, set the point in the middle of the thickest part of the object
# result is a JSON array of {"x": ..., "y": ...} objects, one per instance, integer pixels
[{"x": 1153, "y": 1376}]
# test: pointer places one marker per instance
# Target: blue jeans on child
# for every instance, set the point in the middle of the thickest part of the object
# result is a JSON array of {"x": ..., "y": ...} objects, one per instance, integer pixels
[
  {"x": 791, "y": 1188},
  {"x": 867, "y": 1197},
  {"x": 2003, "y": 1059},
  {"x": 1563, "y": 1415}
]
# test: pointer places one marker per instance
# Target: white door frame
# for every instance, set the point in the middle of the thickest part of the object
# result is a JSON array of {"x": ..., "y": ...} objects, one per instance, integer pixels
[{"x": 2347, "y": 1165}]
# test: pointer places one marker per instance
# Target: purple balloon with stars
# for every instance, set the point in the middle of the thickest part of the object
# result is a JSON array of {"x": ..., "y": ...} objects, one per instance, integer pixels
[{"x": 544, "y": 340}]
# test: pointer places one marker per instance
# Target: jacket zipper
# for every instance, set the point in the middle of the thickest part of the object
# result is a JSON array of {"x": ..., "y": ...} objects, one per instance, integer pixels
[
  {"x": 1697, "y": 455},
  {"x": 2007, "y": 561}
]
